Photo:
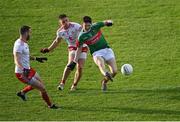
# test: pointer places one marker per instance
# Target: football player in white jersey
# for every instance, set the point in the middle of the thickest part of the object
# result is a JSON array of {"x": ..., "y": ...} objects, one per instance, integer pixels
[
  {"x": 69, "y": 31},
  {"x": 24, "y": 72}
]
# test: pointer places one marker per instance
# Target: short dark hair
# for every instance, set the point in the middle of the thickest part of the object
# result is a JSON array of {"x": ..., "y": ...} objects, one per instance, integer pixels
[
  {"x": 24, "y": 29},
  {"x": 61, "y": 16},
  {"x": 87, "y": 19}
]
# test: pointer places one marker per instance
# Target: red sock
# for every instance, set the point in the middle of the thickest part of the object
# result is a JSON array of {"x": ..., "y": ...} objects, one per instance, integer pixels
[
  {"x": 46, "y": 98},
  {"x": 27, "y": 89}
]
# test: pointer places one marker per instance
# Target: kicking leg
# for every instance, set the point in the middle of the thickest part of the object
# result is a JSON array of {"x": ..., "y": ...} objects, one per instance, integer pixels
[
  {"x": 101, "y": 64},
  {"x": 99, "y": 61},
  {"x": 113, "y": 68}
]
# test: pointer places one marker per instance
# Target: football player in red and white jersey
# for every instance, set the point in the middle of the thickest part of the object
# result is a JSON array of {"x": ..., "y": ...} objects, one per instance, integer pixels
[
  {"x": 24, "y": 72},
  {"x": 69, "y": 31}
]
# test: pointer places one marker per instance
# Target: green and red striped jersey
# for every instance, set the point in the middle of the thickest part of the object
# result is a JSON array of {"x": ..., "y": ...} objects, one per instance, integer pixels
[{"x": 93, "y": 38}]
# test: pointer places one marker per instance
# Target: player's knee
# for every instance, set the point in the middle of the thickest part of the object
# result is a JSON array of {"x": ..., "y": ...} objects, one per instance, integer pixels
[{"x": 100, "y": 65}]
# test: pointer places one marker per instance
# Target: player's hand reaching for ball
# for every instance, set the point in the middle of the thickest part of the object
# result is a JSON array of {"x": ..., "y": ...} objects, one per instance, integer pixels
[
  {"x": 44, "y": 50},
  {"x": 71, "y": 66},
  {"x": 41, "y": 59}
]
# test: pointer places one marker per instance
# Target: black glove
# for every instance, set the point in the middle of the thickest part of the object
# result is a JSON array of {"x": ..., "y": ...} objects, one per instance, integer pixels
[
  {"x": 109, "y": 24},
  {"x": 44, "y": 50},
  {"x": 41, "y": 59},
  {"x": 26, "y": 72},
  {"x": 72, "y": 65}
]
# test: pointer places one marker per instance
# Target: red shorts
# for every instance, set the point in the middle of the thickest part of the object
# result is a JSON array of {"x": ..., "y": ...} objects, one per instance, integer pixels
[
  {"x": 84, "y": 49},
  {"x": 21, "y": 77}
]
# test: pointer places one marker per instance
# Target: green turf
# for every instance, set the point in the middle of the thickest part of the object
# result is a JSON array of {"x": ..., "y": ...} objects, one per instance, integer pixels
[{"x": 146, "y": 34}]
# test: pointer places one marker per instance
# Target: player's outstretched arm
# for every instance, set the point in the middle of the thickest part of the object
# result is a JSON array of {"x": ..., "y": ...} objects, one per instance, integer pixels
[
  {"x": 108, "y": 22},
  {"x": 54, "y": 44},
  {"x": 99, "y": 25}
]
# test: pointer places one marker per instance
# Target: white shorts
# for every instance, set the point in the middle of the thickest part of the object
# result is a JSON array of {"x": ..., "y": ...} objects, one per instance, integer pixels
[
  {"x": 83, "y": 55},
  {"x": 106, "y": 53}
]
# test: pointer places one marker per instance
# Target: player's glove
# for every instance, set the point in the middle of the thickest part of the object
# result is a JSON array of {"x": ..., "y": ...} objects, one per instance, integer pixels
[
  {"x": 41, "y": 59},
  {"x": 72, "y": 65},
  {"x": 109, "y": 23},
  {"x": 44, "y": 50},
  {"x": 26, "y": 72}
]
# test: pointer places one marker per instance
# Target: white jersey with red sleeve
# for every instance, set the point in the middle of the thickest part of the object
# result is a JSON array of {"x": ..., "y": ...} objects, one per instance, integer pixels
[
  {"x": 23, "y": 49},
  {"x": 71, "y": 34}
]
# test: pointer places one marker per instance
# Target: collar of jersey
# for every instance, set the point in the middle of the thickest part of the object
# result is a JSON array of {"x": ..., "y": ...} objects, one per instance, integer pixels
[{"x": 87, "y": 31}]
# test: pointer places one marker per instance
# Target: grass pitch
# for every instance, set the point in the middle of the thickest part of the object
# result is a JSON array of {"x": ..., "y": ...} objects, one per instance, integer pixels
[{"x": 146, "y": 34}]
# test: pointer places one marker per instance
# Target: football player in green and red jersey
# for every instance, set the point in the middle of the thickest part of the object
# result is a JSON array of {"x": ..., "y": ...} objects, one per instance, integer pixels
[{"x": 99, "y": 49}]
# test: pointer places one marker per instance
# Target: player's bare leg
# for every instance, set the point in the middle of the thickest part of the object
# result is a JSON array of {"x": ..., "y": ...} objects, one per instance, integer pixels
[
  {"x": 66, "y": 72},
  {"x": 100, "y": 62},
  {"x": 37, "y": 83},
  {"x": 78, "y": 73},
  {"x": 113, "y": 68}
]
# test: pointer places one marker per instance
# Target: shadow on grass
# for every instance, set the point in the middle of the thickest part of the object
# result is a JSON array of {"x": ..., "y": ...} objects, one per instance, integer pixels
[
  {"x": 129, "y": 91},
  {"x": 125, "y": 110}
]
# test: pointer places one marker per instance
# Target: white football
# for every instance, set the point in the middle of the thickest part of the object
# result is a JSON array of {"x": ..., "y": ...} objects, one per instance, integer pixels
[{"x": 126, "y": 69}]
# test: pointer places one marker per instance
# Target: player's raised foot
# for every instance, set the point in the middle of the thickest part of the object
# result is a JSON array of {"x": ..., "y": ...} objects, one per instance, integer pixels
[
  {"x": 73, "y": 88},
  {"x": 53, "y": 106},
  {"x": 104, "y": 87},
  {"x": 109, "y": 76},
  {"x": 22, "y": 96},
  {"x": 61, "y": 86}
]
